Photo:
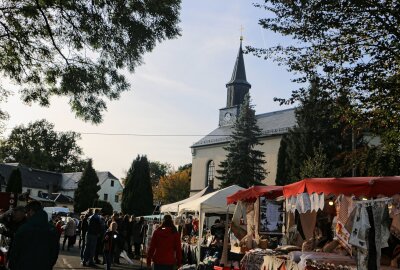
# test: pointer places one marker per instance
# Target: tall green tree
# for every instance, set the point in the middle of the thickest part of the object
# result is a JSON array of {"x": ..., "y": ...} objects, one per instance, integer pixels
[
  {"x": 158, "y": 170},
  {"x": 353, "y": 45},
  {"x": 39, "y": 146},
  {"x": 318, "y": 127},
  {"x": 243, "y": 165},
  {"x": 14, "y": 183},
  {"x": 88, "y": 186},
  {"x": 76, "y": 48},
  {"x": 137, "y": 195}
]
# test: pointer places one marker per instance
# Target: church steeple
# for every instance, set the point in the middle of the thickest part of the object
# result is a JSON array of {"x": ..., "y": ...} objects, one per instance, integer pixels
[{"x": 238, "y": 86}]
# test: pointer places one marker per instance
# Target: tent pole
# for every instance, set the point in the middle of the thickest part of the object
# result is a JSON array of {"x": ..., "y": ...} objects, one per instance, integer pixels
[{"x": 224, "y": 257}]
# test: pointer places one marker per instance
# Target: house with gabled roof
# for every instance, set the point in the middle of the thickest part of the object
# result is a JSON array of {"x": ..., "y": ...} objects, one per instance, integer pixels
[{"x": 60, "y": 187}]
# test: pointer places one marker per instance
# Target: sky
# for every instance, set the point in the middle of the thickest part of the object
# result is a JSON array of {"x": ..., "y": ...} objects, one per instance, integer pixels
[{"x": 178, "y": 90}]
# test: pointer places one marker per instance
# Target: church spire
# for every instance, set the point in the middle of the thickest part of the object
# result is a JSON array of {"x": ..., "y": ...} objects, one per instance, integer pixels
[{"x": 238, "y": 86}]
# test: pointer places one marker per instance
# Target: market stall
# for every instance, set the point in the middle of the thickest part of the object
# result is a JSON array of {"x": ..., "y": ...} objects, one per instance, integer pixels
[
  {"x": 255, "y": 201},
  {"x": 212, "y": 203},
  {"x": 364, "y": 234},
  {"x": 173, "y": 207}
]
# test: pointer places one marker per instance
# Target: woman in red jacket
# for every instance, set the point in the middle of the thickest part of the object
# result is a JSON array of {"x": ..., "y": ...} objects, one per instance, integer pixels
[{"x": 165, "y": 247}]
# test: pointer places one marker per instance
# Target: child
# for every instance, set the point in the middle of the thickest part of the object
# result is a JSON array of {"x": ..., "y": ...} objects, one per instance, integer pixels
[{"x": 110, "y": 241}]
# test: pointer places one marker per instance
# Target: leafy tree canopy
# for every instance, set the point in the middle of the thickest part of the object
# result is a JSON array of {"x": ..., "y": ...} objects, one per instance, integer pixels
[
  {"x": 158, "y": 170},
  {"x": 88, "y": 186},
  {"x": 352, "y": 46},
  {"x": 174, "y": 186},
  {"x": 37, "y": 145},
  {"x": 75, "y": 48},
  {"x": 243, "y": 165}
]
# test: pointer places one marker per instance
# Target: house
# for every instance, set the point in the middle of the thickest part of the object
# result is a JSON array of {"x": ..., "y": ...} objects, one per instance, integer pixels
[
  {"x": 208, "y": 152},
  {"x": 60, "y": 187},
  {"x": 110, "y": 187}
]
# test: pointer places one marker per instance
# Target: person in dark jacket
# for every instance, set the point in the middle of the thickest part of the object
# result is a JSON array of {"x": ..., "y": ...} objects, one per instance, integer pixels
[
  {"x": 12, "y": 220},
  {"x": 165, "y": 247},
  {"x": 110, "y": 243},
  {"x": 93, "y": 232},
  {"x": 84, "y": 227},
  {"x": 36, "y": 244},
  {"x": 137, "y": 235}
]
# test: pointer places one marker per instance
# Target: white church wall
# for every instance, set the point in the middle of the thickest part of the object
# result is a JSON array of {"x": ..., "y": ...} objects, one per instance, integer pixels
[{"x": 203, "y": 155}]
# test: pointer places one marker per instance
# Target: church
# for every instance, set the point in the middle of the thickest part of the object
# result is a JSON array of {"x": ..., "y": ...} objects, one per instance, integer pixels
[{"x": 208, "y": 152}]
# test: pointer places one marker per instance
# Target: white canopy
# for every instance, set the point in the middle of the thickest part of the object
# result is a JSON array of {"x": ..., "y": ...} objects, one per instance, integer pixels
[
  {"x": 211, "y": 203},
  {"x": 173, "y": 207}
]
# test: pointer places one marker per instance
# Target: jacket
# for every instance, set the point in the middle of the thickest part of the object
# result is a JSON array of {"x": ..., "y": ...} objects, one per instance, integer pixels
[
  {"x": 36, "y": 245},
  {"x": 165, "y": 247},
  {"x": 111, "y": 241},
  {"x": 70, "y": 227}
]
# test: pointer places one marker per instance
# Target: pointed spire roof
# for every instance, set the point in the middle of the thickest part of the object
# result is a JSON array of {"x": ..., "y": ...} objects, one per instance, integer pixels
[{"x": 239, "y": 71}]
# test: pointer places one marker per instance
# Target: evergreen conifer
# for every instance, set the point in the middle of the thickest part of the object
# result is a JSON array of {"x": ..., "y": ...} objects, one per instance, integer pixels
[
  {"x": 137, "y": 195},
  {"x": 88, "y": 186},
  {"x": 14, "y": 183},
  {"x": 243, "y": 165}
]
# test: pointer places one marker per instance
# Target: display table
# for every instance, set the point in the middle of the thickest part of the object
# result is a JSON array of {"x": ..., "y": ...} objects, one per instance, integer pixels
[{"x": 254, "y": 259}]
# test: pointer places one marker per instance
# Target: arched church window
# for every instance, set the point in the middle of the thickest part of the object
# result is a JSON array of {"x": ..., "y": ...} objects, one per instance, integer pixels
[{"x": 210, "y": 172}]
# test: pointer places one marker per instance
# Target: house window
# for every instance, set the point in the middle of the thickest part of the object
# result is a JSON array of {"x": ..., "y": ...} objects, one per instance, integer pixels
[
  {"x": 210, "y": 172},
  {"x": 105, "y": 196},
  {"x": 116, "y": 198},
  {"x": 112, "y": 183}
]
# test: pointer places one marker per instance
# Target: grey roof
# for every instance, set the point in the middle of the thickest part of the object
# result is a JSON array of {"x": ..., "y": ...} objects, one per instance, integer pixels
[
  {"x": 32, "y": 178},
  {"x": 272, "y": 123},
  {"x": 239, "y": 70},
  {"x": 70, "y": 180}
]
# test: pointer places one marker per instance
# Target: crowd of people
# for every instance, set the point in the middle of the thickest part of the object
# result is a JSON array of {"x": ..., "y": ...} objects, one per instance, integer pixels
[
  {"x": 102, "y": 238},
  {"x": 35, "y": 240}
]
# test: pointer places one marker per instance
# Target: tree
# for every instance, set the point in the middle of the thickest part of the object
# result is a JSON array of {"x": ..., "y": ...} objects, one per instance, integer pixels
[
  {"x": 75, "y": 48},
  {"x": 351, "y": 45},
  {"x": 88, "y": 186},
  {"x": 316, "y": 166},
  {"x": 137, "y": 195},
  {"x": 37, "y": 145},
  {"x": 319, "y": 131},
  {"x": 14, "y": 183},
  {"x": 243, "y": 165},
  {"x": 158, "y": 170},
  {"x": 174, "y": 186}
]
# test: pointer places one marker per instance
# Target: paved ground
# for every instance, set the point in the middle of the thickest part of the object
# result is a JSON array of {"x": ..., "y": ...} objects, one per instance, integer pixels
[{"x": 71, "y": 260}]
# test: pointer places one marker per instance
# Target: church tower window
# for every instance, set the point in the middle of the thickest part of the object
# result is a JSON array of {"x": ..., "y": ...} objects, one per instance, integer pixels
[{"x": 210, "y": 172}]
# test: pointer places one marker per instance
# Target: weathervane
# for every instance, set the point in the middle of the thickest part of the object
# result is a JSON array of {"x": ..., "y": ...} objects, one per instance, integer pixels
[{"x": 241, "y": 32}]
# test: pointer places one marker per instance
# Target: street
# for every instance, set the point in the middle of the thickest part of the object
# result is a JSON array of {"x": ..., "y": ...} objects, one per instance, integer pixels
[{"x": 71, "y": 260}]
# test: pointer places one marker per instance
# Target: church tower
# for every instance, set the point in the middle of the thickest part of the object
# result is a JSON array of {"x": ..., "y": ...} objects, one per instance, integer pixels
[{"x": 237, "y": 88}]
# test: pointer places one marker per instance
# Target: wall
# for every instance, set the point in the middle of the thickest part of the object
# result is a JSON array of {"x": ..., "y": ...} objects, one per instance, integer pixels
[
  {"x": 106, "y": 188},
  {"x": 216, "y": 153}
]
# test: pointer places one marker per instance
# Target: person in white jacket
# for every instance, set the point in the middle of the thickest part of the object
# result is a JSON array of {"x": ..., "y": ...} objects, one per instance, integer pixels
[{"x": 69, "y": 233}]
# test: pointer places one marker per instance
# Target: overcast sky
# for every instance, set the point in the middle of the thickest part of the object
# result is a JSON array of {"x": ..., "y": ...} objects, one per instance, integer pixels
[{"x": 177, "y": 91}]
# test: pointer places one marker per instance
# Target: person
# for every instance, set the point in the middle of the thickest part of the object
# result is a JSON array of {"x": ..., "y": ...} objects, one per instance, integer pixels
[
  {"x": 69, "y": 233},
  {"x": 36, "y": 244},
  {"x": 165, "y": 247},
  {"x": 84, "y": 226},
  {"x": 110, "y": 243},
  {"x": 137, "y": 235},
  {"x": 12, "y": 220},
  {"x": 93, "y": 232},
  {"x": 151, "y": 228},
  {"x": 218, "y": 231}
]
